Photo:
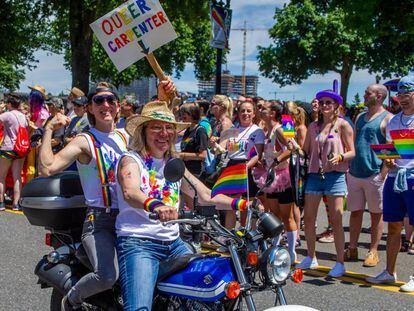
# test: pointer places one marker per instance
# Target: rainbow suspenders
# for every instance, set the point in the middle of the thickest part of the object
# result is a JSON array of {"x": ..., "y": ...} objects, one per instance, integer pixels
[{"x": 103, "y": 174}]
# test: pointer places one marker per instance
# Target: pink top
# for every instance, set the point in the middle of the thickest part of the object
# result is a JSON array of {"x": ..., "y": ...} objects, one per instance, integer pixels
[
  {"x": 43, "y": 116},
  {"x": 324, "y": 145},
  {"x": 11, "y": 121}
]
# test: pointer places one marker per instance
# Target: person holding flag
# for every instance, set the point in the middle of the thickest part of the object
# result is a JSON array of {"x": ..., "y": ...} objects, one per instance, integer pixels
[{"x": 245, "y": 147}]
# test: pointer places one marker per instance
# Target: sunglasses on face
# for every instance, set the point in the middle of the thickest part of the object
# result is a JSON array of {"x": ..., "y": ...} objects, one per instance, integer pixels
[
  {"x": 404, "y": 94},
  {"x": 100, "y": 99},
  {"x": 170, "y": 129},
  {"x": 328, "y": 103}
]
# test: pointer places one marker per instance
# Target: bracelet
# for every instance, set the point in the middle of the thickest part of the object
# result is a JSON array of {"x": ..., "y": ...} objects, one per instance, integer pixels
[
  {"x": 341, "y": 157},
  {"x": 239, "y": 204},
  {"x": 150, "y": 204}
]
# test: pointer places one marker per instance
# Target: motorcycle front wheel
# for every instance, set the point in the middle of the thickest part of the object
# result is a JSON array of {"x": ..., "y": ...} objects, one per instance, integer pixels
[{"x": 56, "y": 300}]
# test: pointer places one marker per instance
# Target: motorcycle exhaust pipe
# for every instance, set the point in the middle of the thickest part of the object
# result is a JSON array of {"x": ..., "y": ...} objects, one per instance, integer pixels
[{"x": 59, "y": 276}]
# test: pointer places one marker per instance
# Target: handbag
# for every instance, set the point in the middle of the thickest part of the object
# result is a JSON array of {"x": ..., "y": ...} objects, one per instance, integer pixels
[{"x": 298, "y": 168}]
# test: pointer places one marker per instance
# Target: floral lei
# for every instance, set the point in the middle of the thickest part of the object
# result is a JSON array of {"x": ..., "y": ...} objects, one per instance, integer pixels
[{"x": 166, "y": 193}]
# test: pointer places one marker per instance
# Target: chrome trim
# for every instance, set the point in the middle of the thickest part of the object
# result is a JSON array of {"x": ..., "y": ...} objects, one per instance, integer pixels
[{"x": 76, "y": 201}]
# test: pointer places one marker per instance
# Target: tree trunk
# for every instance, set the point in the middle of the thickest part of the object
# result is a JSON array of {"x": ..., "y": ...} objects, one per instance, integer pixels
[
  {"x": 346, "y": 73},
  {"x": 81, "y": 35}
]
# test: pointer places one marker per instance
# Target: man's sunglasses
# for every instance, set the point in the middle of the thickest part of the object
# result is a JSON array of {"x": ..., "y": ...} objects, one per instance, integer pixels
[{"x": 100, "y": 99}]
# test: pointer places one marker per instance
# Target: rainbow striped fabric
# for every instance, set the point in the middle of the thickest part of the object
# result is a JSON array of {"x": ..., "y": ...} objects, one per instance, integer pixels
[
  {"x": 233, "y": 180},
  {"x": 385, "y": 151},
  {"x": 404, "y": 142},
  {"x": 252, "y": 153},
  {"x": 288, "y": 126}
]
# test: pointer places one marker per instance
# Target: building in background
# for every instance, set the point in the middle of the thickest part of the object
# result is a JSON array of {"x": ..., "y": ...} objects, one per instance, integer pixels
[
  {"x": 230, "y": 84},
  {"x": 144, "y": 89}
]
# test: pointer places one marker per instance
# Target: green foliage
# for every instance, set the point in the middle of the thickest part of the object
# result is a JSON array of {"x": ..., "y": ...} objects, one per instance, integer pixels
[
  {"x": 357, "y": 99},
  {"x": 21, "y": 30},
  {"x": 314, "y": 37}
]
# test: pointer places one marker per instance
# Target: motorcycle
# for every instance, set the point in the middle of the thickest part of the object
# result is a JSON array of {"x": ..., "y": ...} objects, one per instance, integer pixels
[
  {"x": 216, "y": 282},
  {"x": 191, "y": 282}
]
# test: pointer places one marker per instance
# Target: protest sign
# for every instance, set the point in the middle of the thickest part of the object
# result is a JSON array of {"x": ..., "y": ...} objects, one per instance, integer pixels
[
  {"x": 288, "y": 126},
  {"x": 133, "y": 30}
]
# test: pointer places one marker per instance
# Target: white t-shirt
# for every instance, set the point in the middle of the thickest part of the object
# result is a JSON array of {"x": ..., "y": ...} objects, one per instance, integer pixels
[
  {"x": 239, "y": 147},
  {"x": 135, "y": 221},
  {"x": 399, "y": 122},
  {"x": 112, "y": 146}
]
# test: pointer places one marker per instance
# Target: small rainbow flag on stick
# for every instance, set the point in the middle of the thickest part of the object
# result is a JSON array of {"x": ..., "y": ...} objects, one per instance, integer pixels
[
  {"x": 404, "y": 142},
  {"x": 288, "y": 126},
  {"x": 385, "y": 151},
  {"x": 232, "y": 180}
]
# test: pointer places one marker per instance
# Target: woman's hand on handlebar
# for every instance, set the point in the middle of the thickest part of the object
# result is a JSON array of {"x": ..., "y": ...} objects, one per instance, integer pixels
[{"x": 166, "y": 213}]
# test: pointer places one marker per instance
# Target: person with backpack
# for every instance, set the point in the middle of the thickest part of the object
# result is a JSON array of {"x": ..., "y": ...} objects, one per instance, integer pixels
[{"x": 13, "y": 149}]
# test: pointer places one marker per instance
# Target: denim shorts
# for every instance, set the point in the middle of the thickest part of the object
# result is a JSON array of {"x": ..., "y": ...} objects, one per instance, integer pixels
[{"x": 333, "y": 184}]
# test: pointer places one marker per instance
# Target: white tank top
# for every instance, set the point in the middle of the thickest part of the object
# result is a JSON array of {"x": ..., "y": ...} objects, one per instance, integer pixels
[
  {"x": 112, "y": 146},
  {"x": 135, "y": 221}
]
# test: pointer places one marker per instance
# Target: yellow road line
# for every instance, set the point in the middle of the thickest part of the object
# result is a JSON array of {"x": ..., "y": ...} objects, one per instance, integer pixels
[
  {"x": 358, "y": 278},
  {"x": 13, "y": 212}
]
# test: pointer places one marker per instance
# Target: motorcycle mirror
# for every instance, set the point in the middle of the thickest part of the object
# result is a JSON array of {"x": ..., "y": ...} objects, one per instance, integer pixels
[{"x": 174, "y": 170}]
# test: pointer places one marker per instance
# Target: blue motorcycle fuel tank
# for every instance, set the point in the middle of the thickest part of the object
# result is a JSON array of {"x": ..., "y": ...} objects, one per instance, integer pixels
[{"x": 204, "y": 280}]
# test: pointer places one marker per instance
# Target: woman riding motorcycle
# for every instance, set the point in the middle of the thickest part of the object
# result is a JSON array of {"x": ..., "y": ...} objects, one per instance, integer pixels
[{"x": 142, "y": 242}]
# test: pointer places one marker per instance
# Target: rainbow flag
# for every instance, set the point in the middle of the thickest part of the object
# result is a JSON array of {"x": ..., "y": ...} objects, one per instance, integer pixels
[
  {"x": 385, "y": 151},
  {"x": 252, "y": 153},
  {"x": 233, "y": 180},
  {"x": 404, "y": 142},
  {"x": 287, "y": 126}
]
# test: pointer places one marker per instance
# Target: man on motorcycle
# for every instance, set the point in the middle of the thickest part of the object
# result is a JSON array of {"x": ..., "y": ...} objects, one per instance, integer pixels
[
  {"x": 96, "y": 153},
  {"x": 142, "y": 243}
]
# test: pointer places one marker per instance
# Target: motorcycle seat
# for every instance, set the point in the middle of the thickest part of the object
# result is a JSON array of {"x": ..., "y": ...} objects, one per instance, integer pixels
[
  {"x": 83, "y": 257},
  {"x": 172, "y": 265}
]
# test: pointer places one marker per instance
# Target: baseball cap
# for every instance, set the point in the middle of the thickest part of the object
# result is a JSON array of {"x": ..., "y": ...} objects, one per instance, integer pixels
[
  {"x": 406, "y": 84},
  {"x": 55, "y": 101},
  {"x": 81, "y": 100}
]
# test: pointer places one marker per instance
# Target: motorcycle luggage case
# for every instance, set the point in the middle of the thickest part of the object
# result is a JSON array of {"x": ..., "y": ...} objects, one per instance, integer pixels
[{"x": 55, "y": 202}]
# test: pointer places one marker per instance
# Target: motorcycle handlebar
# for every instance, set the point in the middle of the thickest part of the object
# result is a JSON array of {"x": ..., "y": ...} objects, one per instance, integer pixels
[{"x": 182, "y": 214}]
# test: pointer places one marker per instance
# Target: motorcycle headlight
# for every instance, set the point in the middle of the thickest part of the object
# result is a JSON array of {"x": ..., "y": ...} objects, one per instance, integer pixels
[{"x": 276, "y": 264}]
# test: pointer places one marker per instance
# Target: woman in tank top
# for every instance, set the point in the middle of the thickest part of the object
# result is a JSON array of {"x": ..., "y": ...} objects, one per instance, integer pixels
[
  {"x": 142, "y": 242},
  {"x": 96, "y": 153},
  {"x": 329, "y": 146}
]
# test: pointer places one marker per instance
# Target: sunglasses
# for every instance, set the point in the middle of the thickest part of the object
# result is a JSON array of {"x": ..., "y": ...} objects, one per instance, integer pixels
[
  {"x": 404, "y": 94},
  {"x": 328, "y": 102},
  {"x": 100, "y": 99},
  {"x": 170, "y": 129}
]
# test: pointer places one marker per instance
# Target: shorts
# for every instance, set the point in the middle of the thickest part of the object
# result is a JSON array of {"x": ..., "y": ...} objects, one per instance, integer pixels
[
  {"x": 9, "y": 155},
  {"x": 333, "y": 184},
  {"x": 396, "y": 206},
  {"x": 365, "y": 191},
  {"x": 284, "y": 197}
]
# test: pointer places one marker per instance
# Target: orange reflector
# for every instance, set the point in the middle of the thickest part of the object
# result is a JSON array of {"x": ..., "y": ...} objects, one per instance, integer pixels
[
  {"x": 232, "y": 290},
  {"x": 48, "y": 239},
  {"x": 252, "y": 258},
  {"x": 297, "y": 276}
]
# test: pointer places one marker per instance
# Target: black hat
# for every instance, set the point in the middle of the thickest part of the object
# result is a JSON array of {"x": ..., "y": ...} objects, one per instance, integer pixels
[
  {"x": 82, "y": 101},
  {"x": 102, "y": 87}
]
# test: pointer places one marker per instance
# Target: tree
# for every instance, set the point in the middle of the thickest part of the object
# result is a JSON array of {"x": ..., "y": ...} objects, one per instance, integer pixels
[
  {"x": 357, "y": 99},
  {"x": 314, "y": 37},
  {"x": 21, "y": 30},
  {"x": 70, "y": 34}
]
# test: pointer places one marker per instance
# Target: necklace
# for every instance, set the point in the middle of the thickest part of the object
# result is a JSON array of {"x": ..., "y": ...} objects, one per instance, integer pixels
[
  {"x": 408, "y": 124},
  {"x": 166, "y": 193}
]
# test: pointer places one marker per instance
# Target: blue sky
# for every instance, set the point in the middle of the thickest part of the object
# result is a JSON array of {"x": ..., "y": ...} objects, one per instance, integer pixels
[{"x": 259, "y": 14}]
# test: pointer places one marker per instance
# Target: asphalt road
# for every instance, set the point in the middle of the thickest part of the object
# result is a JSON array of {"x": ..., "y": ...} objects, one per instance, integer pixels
[{"x": 22, "y": 245}]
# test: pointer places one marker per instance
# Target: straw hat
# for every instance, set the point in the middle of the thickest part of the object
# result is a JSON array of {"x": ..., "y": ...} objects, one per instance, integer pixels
[
  {"x": 75, "y": 92},
  {"x": 153, "y": 111},
  {"x": 40, "y": 89}
]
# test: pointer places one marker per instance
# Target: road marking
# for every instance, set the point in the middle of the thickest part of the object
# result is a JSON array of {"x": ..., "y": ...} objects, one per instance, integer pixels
[
  {"x": 358, "y": 278},
  {"x": 9, "y": 210}
]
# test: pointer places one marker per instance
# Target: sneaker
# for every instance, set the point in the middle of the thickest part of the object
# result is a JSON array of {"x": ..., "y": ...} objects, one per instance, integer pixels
[
  {"x": 405, "y": 246},
  {"x": 307, "y": 263},
  {"x": 337, "y": 271},
  {"x": 371, "y": 260},
  {"x": 16, "y": 207},
  {"x": 411, "y": 249},
  {"x": 327, "y": 237},
  {"x": 409, "y": 286},
  {"x": 351, "y": 254},
  {"x": 383, "y": 278}
]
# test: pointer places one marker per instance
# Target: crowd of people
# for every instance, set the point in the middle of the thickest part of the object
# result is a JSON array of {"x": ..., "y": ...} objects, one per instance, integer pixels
[{"x": 120, "y": 147}]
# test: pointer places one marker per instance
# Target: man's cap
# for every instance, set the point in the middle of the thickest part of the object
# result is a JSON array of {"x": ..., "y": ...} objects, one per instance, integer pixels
[
  {"x": 55, "y": 101},
  {"x": 81, "y": 100},
  {"x": 406, "y": 84},
  {"x": 75, "y": 92}
]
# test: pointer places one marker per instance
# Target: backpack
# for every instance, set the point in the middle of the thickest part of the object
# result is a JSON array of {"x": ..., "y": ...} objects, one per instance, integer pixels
[{"x": 22, "y": 144}]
